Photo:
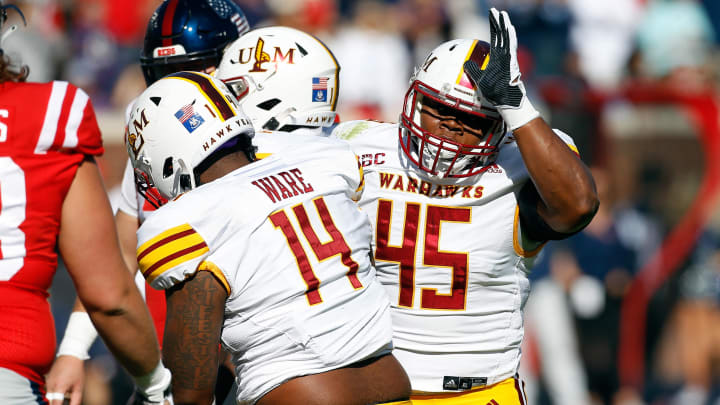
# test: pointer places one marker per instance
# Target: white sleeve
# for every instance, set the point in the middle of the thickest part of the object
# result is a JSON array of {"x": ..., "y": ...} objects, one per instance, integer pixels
[
  {"x": 169, "y": 248},
  {"x": 128, "y": 201}
]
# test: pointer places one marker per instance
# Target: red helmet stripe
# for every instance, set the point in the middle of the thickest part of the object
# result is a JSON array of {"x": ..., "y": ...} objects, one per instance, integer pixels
[{"x": 167, "y": 22}]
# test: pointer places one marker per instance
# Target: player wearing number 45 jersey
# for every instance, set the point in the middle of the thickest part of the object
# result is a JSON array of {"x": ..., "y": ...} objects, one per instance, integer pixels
[
  {"x": 271, "y": 257},
  {"x": 460, "y": 210}
]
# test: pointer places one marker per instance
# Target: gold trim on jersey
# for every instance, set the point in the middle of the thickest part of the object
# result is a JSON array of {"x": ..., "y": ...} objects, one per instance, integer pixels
[
  {"x": 573, "y": 148},
  {"x": 517, "y": 243},
  {"x": 215, "y": 271},
  {"x": 169, "y": 249}
]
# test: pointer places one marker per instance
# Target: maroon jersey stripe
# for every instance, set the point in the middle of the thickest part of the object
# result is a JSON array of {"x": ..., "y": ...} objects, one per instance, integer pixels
[
  {"x": 174, "y": 256},
  {"x": 165, "y": 241}
]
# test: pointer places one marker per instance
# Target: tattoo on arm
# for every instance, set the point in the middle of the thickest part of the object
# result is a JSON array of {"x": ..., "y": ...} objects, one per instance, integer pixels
[{"x": 195, "y": 310}]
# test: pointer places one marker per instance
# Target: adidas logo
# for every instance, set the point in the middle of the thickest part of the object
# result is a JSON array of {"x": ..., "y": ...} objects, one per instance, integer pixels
[{"x": 450, "y": 383}]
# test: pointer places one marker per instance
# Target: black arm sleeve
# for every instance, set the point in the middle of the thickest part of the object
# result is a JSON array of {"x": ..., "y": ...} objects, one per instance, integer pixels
[{"x": 533, "y": 226}]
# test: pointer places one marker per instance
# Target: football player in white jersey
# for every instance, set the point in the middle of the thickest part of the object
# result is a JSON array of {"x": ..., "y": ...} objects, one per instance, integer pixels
[
  {"x": 462, "y": 194},
  {"x": 269, "y": 257},
  {"x": 289, "y": 85}
]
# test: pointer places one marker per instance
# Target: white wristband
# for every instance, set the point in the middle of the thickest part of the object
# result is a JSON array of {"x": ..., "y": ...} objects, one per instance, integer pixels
[
  {"x": 517, "y": 117},
  {"x": 153, "y": 385},
  {"x": 79, "y": 336}
]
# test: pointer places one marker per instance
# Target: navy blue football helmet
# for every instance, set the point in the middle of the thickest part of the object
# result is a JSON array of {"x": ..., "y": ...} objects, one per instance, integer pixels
[{"x": 189, "y": 35}]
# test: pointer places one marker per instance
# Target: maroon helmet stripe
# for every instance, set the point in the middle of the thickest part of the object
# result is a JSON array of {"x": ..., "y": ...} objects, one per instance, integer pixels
[
  {"x": 167, "y": 22},
  {"x": 479, "y": 52},
  {"x": 213, "y": 94}
]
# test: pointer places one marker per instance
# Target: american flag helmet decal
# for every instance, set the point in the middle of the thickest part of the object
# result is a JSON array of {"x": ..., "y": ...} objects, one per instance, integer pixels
[
  {"x": 189, "y": 118},
  {"x": 319, "y": 89}
]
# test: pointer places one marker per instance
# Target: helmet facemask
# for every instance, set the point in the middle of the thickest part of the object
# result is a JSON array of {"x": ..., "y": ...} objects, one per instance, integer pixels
[
  {"x": 442, "y": 157},
  {"x": 145, "y": 186}
]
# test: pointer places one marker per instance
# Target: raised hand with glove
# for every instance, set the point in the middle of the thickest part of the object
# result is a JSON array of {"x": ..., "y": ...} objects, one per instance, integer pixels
[
  {"x": 561, "y": 199},
  {"x": 499, "y": 80}
]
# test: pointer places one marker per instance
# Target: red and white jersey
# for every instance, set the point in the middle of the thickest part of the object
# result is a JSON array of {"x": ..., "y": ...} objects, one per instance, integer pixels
[
  {"x": 46, "y": 129},
  {"x": 285, "y": 237},
  {"x": 450, "y": 255}
]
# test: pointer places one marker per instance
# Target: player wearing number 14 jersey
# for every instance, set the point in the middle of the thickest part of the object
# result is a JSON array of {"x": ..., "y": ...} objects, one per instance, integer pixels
[
  {"x": 271, "y": 257},
  {"x": 460, "y": 209}
]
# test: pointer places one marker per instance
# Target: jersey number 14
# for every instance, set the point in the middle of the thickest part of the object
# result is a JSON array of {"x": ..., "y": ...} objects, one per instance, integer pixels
[{"x": 336, "y": 246}]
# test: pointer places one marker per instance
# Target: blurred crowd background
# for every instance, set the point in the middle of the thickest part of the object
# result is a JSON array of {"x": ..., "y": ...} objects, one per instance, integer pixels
[{"x": 625, "y": 312}]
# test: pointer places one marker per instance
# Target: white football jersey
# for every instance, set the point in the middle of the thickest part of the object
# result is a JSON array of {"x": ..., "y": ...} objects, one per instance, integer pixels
[
  {"x": 452, "y": 258},
  {"x": 286, "y": 238}
]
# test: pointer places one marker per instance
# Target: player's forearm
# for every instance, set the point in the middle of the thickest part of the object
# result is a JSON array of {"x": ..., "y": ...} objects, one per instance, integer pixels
[
  {"x": 568, "y": 196},
  {"x": 128, "y": 331},
  {"x": 195, "y": 311}
]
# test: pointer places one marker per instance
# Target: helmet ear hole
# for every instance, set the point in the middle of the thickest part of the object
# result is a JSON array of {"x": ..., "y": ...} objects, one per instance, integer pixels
[
  {"x": 267, "y": 105},
  {"x": 272, "y": 124},
  {"x": 185, "y": 182},
  {"x": 168, "y": 168}
]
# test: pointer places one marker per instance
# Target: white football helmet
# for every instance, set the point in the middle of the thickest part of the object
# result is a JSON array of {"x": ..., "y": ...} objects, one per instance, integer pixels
[
  {"x": 441, "y": 80},
  {"x": 283, "y": 78},
  {"x": 179, "y": 124}
]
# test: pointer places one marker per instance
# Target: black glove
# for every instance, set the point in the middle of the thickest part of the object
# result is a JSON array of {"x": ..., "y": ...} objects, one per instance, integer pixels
[{"x": 499, "y": 82}]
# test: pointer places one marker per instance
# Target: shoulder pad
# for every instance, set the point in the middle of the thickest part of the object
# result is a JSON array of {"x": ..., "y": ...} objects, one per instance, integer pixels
[{"x": 352, "y": 129}]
